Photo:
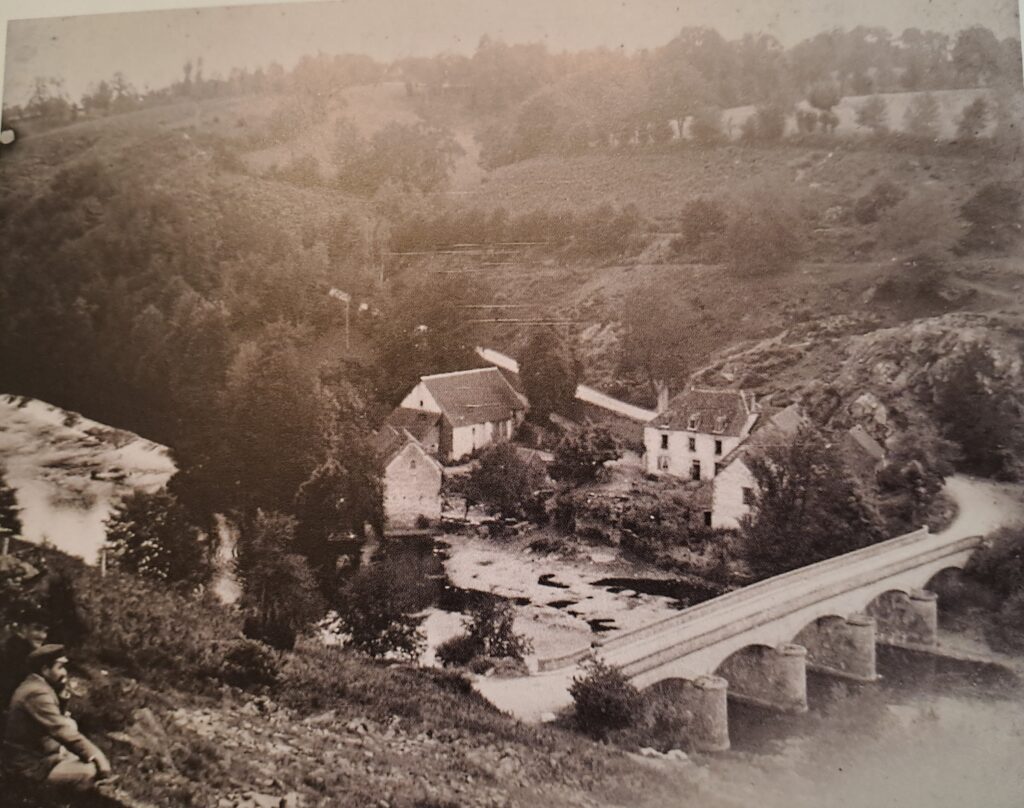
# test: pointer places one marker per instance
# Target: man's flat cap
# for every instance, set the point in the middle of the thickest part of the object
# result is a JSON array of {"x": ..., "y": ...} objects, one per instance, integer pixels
[{"x": 46, "y": 654}]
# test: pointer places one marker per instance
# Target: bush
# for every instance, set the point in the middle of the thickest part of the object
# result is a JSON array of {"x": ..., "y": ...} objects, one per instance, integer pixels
[
  {"x": 491, "y": 628},
  {"x": 884, "y": 195},
  {"x": 604, "y": 700},
  {"x": 375, "y": 612},
  {"x": 247, "y": 664},
  {"x": 765, "y": 232},
  {"x": 703, "y": 224},
  {"x": 459, "y": 651}
]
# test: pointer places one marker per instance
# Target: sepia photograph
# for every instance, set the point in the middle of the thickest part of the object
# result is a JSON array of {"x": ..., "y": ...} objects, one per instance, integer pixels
[{"x": 511, "y": 404}]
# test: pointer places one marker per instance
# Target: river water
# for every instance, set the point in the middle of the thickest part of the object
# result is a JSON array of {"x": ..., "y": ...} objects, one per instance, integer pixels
[{"x": 930, "y": 733}]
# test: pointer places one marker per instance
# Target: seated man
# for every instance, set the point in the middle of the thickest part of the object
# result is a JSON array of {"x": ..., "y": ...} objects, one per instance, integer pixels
[{"x": 41, "y": 742}]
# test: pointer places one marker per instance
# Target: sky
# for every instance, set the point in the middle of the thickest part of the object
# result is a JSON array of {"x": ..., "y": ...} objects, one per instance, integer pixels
[{"x": 81, "y": 46}]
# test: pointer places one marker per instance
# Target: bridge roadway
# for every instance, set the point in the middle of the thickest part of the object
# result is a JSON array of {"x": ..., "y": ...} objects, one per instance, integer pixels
[
  {"x": 747, "y": 636},
  {"x": 697, "y": 640}
]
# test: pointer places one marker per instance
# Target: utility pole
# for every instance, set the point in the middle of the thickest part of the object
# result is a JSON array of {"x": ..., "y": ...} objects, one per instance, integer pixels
[{"x": 346, "y": 298}]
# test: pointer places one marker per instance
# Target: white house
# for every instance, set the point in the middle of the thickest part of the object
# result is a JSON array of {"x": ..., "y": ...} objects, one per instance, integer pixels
[
  {"x": 734, "y": 486},
  {"x": 477, "y": 408},
  {"x": 697, "y": 431}
]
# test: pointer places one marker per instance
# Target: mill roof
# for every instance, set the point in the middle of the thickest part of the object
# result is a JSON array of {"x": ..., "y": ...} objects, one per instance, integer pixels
[
  {"x": 389, "y": 442},
  {"x": 721, "y": 412},
  {"x": 473, "y": 396},
  {"x": 416, "y": 422}
]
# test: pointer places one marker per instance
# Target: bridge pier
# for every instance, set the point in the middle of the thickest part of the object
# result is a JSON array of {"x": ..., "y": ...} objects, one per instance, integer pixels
[
  {"x": 843, "y": 647},
  {"x": 907, "y": 619},
  {"x": 694, "y": 711},
  {"x": 775, "y": 678}
]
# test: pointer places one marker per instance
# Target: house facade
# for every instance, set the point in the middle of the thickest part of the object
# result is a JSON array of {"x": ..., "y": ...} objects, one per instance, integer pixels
[
  {"x": 735, "y": 488},
  {"x": 411, "y": 479},
  {"x": 476, "y": 409},
  {"x": 698, "y": 429}
]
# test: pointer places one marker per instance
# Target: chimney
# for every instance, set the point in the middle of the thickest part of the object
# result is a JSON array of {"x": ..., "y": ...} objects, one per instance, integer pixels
[{"x": 662, "y": 389}]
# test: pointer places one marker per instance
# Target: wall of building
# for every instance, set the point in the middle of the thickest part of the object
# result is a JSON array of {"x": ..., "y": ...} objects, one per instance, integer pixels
[
  {"x": 412, "y": 487},
  {"x": 419, "y": 398},
  {"x": 679, "y": 457},
  {"x": 468, "y": 439},
  {"x": 727, "y": 505}
]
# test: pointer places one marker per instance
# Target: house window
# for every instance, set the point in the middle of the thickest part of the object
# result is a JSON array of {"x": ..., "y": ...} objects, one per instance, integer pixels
[
  {"x": 707, "y": 518},
  {"x": 421, "y": 403},
  {"x": 664, "y": 441},
  {"x": 663, "y": 462},
  {"x": 748, "y": 496},
  {"x": 693, "y": 444},
  {"x": 720, "y": 423},
  {"x": 718, "y": 447},
  {"x": 695, "y": 470},
  {"x": 412, "y": 464},
  {"x": 718, "y": 468},
  {"x": 693, "y": 422}
]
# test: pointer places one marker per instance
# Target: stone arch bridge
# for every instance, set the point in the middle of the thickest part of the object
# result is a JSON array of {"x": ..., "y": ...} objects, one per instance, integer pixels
[{"x": 756, "y": 644}]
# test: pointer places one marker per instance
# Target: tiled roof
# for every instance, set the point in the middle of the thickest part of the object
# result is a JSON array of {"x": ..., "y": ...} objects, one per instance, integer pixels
[
  {"x": 721, "y": 412},
  {"x": 772, "y": 430},
  {"x": 473, "y": 396},
  {"x": 416, "y": 422},
  {"x": 390, "y": 441}
]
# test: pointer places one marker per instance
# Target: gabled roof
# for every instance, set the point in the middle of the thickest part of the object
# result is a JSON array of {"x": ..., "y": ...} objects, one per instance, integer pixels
[
  {"x": 473, "y": 396},
  {"x": 390, "y": 442},
  {"x": 779, "y": 428},
  {"x": 720, "y": 412},
  {"x": 416, "y": 422}
]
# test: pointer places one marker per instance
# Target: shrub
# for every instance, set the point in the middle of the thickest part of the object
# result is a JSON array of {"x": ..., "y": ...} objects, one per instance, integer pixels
[
  {"x": 703, "y": 223},
  {"x": 246, "y": 664},
  {"x": 502, "y": 480},
  {"x": 993, "y": 217},
  {"x": 765, "y": 231},
  {"x": 376, "y": 614},
  {"x": 459, "y": 650},
  {"x": 884, "y": 195},
  {"x": 604, "y": 699},
  {"x": 491, "y": 628}
]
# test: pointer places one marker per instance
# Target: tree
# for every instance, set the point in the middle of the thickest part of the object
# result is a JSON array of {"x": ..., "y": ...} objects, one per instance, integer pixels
[
  {"x": 548, "y": 375},
  {"x": 503, "y": 480},
  {"x": 150, "y": 534},
  {"x": 883, "y": 196},
  {"x": 280, "y": 595},
  {"x": 806, "y": 506},
  {"x": 413, "y": 156},
  {"x": 977, "y": 411},
  {"x": 973, "y": 120},
  {"x": 377, "y": 608},
  {"x": 922, "y": 223},
  {"x": 491, "y": 630},
  {"x": 993, "y": 216},
  {"x": 765, "y": 231},
  {"x": 10, "y": 521},
  {"x": 706, "y": 126},
  {"x": 874, "y": 114},
  {"x": 702, "y": 225},
  {"x": 580, "y": 456},
  {"x": 921, "y": 118},
  {"x": 824, "y": 95},
  {"x": 977, "y": 56}
]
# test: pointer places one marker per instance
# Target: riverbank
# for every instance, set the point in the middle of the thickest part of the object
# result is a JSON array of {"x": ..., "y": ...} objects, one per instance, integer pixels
[{"x": 68, "y": 471}]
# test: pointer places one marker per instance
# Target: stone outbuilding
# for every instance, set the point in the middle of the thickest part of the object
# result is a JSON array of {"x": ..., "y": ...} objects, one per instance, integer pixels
[{"x": 411, "y": 480}]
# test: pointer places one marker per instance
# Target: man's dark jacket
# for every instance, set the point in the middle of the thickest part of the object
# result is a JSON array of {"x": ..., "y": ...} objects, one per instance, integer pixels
[{"x": 37, "y": 730}]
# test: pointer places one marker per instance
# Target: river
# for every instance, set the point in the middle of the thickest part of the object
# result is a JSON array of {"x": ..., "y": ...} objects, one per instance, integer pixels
[{"x": 930, "y": 733}]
